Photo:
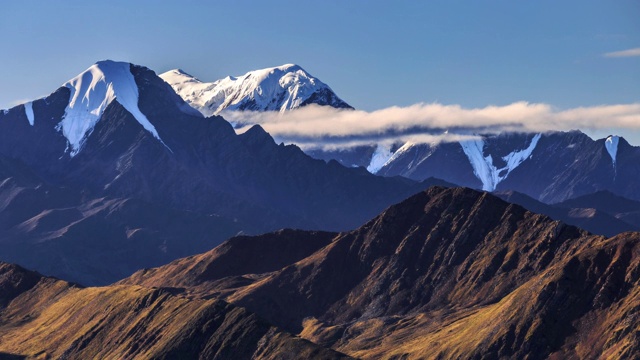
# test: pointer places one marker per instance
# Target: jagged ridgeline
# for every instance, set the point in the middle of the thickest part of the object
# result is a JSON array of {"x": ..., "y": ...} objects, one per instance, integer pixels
[
  {"x": 550, "y": 167},
  {"x": 114, "y": 172}
]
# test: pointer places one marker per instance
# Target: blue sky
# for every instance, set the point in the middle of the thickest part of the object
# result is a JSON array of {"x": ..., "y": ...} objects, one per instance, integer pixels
[{"x": 374, "y": 54}]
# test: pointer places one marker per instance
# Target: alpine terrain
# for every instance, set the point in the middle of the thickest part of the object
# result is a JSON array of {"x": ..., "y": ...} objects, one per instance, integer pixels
[
  {"x": 550, "y": 167},
  {"x": 114, "y": 162},
  {"x": 279, "y": 88}
]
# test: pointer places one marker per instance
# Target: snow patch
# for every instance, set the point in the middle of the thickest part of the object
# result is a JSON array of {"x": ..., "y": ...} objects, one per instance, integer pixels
[
  {"x": 28, "y": 109},
  {"x": 398, "y": 154},
  {"x": 379, "y": 158},
  {"x": 611, "y": 144},
  {"x": 91, "y": 92},
  {"x": 483, "y": 167},
  {"x": 403, "y": 149},
  {"x": 515, "y": 158}
]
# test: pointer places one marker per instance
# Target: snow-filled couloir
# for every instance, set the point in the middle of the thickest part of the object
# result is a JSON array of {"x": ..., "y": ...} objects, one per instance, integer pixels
[
  {"x": 483, "y": 166},
  {"x": 91, "y": 92},
  {"x": 28, "y": 109},
  {"x": 611, "y": 144},
  {"x": 279, "y": 88},
  {"x": 380, "y": 157}
]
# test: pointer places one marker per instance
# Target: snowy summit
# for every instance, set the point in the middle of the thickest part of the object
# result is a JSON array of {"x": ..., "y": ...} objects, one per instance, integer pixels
[
  {"x": 91, "y": 92},
  {"x": 279, "y": 88}
]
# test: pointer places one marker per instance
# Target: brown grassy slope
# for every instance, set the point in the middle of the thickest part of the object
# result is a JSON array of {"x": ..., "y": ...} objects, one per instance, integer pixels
[
  {"x": 239, "y": 255},
  {"x": 52, "y": 318},
  {"x": 584, "y": 307},
  {"x": 455, "y": 273},
  {"x": 443, "y": 248}
]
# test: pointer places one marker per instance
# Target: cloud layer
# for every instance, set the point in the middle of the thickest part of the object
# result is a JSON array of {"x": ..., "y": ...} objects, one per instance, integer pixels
[
  {"x": 322, "y": 126},
  {"x": 624, "y": 53}
]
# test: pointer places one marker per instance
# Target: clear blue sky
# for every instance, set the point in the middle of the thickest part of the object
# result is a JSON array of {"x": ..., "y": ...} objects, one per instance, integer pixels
[{"x": 374, "y": 54}]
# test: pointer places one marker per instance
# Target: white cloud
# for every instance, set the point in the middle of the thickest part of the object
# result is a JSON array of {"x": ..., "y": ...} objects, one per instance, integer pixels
[
  {"x": 624, "y": 53},
  {"x": 387, "y": 141},
  {"x": 428, "y": 123}
]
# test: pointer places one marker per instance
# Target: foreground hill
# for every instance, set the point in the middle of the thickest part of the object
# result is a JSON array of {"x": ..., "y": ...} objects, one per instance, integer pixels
[
  {"x": 44, "y": 317},
  {"x": 448, "y": 273}
]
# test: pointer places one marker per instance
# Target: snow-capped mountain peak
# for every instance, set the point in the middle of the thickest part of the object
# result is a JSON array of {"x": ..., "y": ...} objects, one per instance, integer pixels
[
  {"x": 278, "y": 88},
  {"x": 91, "y": 92},
  {"x": 179, "y": 76}
]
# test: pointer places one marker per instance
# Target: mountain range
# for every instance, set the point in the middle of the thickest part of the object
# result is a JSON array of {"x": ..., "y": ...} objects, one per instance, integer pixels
[
  {"x": 114, "y": 163},
  {"x": 550, "y": 167},
  {"x": 200, "y": 242},
  {"x": 135, "y": 161},
  {"x": 447, "y": 273}
]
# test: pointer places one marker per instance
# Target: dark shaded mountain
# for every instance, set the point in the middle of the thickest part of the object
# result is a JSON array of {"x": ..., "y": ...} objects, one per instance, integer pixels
[
  {"x": 617, "y": 206},
  {"x": 44, "y": 317},
  {"x": 90, "y": 240},
  {"x": 584, "y": 214},
  {"x": 447, "y": 273},
  {"x": 359, "y": 156},
  {"x": 141, "y": 169},
  {"x": 194, "y": 163},
  {"x": 550, "y": 167}
]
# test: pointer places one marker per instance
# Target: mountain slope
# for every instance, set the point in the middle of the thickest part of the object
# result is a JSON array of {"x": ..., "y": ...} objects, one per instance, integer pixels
[
  {"x": 67, "y": 233},
  {"x": 48, "y": 318},
  {"x": 619, "y": 207},
  {"x": 549, "y": 167},
  {"x": 228, "y": 172},
  {"x": 584, "y": 214},
  {"x": 447, "y": 273},
  {"x": 279, "y": 88},
  {"x": 146, "y": 149}
]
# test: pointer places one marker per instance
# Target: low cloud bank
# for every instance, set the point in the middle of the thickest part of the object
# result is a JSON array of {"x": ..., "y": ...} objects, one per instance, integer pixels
[{"x": 326, "y": 127}]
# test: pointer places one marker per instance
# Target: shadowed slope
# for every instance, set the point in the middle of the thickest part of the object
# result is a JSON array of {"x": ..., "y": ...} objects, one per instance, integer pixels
[{"x": 586, "y": 214}]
